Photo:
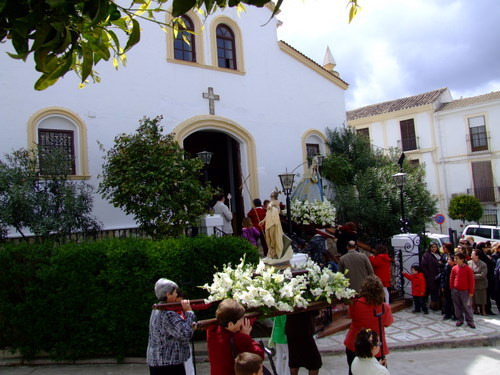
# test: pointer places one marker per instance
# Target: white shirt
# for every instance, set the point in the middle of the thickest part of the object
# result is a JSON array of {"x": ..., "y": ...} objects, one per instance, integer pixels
[
  {"x": 221, "y": 209},
  {"x": 368, "y": 366}
]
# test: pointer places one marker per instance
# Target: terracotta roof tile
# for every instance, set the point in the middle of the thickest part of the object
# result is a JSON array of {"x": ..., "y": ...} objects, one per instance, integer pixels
[
  {"x": 395, "y": 105},
  {"x": 470, "y": 101}
]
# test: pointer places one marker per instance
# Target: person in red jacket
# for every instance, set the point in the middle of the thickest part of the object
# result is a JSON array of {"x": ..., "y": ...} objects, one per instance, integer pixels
[
  {"x": 417, "y": 279},
  {"x": 362, "y": 313},
  {"x": 462, "y": 289},
  {"x": 381, "y": 263},
  {"x": 229, "y": 337}
]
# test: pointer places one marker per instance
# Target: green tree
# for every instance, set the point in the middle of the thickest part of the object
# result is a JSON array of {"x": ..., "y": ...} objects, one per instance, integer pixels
[
  {"x": 364, "y": 189},
  {"x": 465, "y": 207},
  {"x": 149, "y": 176},
  {"x": 47, "y": 204},
  {"x": 75, "y": 35}
]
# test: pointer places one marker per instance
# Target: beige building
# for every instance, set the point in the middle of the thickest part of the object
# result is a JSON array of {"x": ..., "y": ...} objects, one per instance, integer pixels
[{"x": 457, "y": 140}]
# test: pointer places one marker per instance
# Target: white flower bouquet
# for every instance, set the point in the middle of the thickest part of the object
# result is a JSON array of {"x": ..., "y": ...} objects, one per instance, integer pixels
[
  {"x": 316, "y": 213},
  {"x": 270, "y": 288}
]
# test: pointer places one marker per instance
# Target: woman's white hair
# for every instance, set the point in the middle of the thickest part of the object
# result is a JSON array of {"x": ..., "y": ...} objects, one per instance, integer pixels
[{"x": 164, "y": 286}]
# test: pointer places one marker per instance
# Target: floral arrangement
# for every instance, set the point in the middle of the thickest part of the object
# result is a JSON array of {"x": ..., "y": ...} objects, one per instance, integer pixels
[
  {"x": 318, "y": 213},
  {"x": 274, "y": 289}
]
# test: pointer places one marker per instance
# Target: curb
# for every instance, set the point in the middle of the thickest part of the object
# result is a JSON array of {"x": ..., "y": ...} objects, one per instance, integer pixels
[{"x": 202, "y": 357}]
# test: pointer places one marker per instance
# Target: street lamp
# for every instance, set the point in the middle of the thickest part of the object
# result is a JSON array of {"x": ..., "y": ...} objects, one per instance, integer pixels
[
  {"x": 287, "y": 186},
  {"x": 206, "y": 157},
  {"x": 400, "y": 179}
]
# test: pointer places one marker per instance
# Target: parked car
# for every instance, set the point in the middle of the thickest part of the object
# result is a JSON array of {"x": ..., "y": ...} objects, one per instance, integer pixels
[
  {"x": 439, "y": 238},
  {"x": 482, "y": 233}
]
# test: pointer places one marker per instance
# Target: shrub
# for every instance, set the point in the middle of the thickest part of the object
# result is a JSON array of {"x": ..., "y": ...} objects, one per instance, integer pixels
[{"x": 92, "y": 299}]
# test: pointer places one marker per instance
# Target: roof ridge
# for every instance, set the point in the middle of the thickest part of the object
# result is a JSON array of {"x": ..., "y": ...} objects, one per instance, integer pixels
[
  {"x": 311, "y": 60},
  {"x": 396, "y": 104}
]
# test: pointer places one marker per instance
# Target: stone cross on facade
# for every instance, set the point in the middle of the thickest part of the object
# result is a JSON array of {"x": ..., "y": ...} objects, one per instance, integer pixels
[{"x": 211, "y": 99}]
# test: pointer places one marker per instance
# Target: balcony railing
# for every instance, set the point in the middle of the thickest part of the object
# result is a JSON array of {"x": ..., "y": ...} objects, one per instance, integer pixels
[
  {"x": 486, "y": 194},
  {"x": 490, "y": 217},
  {"x": 477, "y": 144},
  {"x": 409, "y": 144}
]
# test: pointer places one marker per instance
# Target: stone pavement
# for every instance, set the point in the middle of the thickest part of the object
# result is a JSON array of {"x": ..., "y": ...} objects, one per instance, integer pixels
[
  {"x": 410, "y": 333},
  {"x": 418, "y": 331}
]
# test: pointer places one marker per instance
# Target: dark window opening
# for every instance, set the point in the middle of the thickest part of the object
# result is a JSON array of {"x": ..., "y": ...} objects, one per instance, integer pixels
[
  {"x": 477, "y": 133},
  {"x": 364, "y": 132},
  {"x": 184, "y": 43},
  {"x": 408, "y": 138},
  {"x": 226, "y": 48},
  {"x": 51, "y": 142}
]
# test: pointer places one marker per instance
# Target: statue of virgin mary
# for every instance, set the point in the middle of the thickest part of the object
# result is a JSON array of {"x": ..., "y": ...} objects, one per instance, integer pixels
[{"x": 310, "y": 187}]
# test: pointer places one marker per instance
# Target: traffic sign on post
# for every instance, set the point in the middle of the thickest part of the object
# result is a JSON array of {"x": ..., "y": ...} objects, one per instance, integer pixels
[{"x": 439, "y": 219}]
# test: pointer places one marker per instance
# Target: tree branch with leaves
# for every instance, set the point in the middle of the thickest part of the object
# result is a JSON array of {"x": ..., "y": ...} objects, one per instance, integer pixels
[{"x": 75, "y": 35}]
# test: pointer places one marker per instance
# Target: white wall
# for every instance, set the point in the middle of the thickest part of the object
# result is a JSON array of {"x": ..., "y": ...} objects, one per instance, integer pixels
[{"x": 276, "y": 100}]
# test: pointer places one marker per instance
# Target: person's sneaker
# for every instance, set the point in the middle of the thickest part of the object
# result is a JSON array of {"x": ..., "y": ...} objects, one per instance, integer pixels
[
  {"x": 415, "y": 311},
  {"x": 426, "y": 312},
  {"x": 459, "y": 324},
  {"x": 454, "y": 318},
  {"x": 471, "y": 325},
  {"x": 446, "y": 317}
]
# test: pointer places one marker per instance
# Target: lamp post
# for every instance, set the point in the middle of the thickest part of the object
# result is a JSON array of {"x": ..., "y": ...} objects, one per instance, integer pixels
[
  {"x": 287, "y": 185},
  {"x": 400, "y": 179},
  {"x": 206, "y": 157}
]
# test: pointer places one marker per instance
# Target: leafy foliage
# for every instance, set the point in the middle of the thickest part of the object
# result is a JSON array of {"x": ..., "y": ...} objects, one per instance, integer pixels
[
  {"x": 148, "y": 175},
  {"x": 364, "y": 189},
  {"x": 92, "y": 299},
  {"x": 465, "y": 207},
  {"x": 75, "y": 35},
  {"x": 47, "y": 204}
]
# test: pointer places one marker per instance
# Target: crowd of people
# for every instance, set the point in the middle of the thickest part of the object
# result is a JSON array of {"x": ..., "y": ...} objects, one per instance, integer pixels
[
  {"x": 459, "y": 282},
  {"x": 462, "y": 281}
]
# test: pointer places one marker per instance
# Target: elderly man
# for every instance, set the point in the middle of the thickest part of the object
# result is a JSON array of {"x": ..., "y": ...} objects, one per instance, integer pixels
[{"x": 357, "y": 264}]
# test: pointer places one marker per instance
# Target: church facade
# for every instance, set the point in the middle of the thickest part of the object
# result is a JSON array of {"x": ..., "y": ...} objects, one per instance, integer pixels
[{"x": 260, "y": 106}]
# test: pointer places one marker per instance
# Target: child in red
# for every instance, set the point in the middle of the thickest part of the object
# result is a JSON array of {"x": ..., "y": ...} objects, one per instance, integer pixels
[
  {"x": 417, "y": 279},
  {"x": 229, "y": 337}
]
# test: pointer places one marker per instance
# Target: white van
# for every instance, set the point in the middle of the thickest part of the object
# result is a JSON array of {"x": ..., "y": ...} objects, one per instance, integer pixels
[
  {"x": 439, "y": 238},
  {"x": 482, "y": 233}
]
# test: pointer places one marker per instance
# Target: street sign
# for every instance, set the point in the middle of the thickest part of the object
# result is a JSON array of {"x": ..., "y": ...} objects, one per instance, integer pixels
[{"x": 439, "y": 219}]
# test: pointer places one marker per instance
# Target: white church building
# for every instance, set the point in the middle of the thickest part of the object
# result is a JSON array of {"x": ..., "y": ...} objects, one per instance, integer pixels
[{"x": 257, "y": 103}]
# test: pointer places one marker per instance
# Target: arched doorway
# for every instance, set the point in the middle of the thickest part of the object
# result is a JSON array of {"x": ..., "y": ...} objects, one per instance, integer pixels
[
  {"x": 224, "y": 170},
  {"x": 233, "y": 168}
]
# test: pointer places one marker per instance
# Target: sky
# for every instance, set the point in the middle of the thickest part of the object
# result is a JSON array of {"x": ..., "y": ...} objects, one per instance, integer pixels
[{"x": 398, "y": 48}]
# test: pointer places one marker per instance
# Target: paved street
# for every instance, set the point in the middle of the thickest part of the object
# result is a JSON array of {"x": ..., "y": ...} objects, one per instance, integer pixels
[
  {"x": 465, "y": 361},
  {"x": 420, "y": 344}
]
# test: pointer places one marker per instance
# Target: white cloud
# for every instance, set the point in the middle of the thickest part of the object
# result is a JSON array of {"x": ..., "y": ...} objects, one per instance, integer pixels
[{"x": 396, "y": 48}]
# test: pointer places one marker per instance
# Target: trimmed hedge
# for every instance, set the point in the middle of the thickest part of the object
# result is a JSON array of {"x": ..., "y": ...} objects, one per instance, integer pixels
[{"x": 91, "y": 299}]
